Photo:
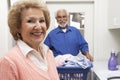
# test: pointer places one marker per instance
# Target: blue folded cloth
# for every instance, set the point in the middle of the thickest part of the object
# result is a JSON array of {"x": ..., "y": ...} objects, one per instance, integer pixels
[{"x": 76, "y": 61}]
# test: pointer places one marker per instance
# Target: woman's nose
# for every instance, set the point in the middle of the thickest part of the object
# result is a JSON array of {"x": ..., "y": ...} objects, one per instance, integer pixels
[{"x": 38, "y": 25}]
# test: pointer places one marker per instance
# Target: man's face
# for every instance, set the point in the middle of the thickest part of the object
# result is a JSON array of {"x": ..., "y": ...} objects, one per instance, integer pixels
[{"x": 62, "y": 19}]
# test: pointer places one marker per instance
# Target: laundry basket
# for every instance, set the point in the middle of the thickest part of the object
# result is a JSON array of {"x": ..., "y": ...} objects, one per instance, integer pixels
[{"x": 72, "y": 73}]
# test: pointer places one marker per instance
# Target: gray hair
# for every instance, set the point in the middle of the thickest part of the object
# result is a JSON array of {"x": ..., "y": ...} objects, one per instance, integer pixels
[{"x": 61, "y": 10}]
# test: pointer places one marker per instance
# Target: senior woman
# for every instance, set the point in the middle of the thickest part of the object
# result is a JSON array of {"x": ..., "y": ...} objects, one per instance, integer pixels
[{"x": 30, "y": 59}]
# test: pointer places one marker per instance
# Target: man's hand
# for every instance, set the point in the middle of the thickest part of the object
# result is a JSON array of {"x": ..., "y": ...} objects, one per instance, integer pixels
[{"x": 89, "y": 56}]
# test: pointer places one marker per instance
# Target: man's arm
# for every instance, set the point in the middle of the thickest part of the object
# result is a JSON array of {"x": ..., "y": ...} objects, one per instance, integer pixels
[{"x": 87, "y": 54}]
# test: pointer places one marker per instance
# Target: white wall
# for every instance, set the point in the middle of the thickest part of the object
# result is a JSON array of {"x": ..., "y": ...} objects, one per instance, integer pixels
[
  {"x": 114, "y": 16},
  {"x": 3, "y": 27},
  {"x": 100, "y": 29},
  {"x": 104, "y": 39}
]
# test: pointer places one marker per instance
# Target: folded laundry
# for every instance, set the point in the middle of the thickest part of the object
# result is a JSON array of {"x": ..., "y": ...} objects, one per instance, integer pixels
[
  {"x": 76, "y": 61},
  {"x": 60, "y": 59},
  {"x": 73, "y": 61}
]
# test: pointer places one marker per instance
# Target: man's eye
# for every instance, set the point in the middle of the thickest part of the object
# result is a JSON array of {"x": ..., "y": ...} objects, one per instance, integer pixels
[
  {"x": 58, "y": 17},
  {"x": 64, "y": 16}
]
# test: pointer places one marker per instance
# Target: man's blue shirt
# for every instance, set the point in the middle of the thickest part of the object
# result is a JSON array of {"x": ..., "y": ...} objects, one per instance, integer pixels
[{"x": 69, "y": 42}]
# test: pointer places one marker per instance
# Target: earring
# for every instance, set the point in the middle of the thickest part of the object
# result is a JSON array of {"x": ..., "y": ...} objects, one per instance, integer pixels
[{"x": 18, "y": 35}]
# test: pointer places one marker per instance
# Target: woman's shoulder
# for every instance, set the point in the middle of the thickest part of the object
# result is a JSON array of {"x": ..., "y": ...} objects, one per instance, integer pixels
[
  {"x": 12, "y": 53},
  {"x": 47, "y": 50},
  {"x": 8, "y": 58},
  {"x": 13, "y": 50}
]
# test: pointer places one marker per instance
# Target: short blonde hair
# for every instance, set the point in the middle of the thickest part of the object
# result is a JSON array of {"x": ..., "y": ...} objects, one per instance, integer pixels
[{"x": 14, "y": 16}]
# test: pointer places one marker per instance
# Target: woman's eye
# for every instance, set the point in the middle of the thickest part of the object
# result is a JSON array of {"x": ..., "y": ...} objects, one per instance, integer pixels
[
  {"x": 34, "y": 21},
  {"x": 41, "y": 21},
  {"x": 30, "y": 21}
]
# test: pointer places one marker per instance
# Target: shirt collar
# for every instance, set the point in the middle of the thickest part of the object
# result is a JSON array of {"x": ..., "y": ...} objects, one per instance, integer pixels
[
  {"x": 24, "y": 47},
  {"x": 67, "y": 29}
]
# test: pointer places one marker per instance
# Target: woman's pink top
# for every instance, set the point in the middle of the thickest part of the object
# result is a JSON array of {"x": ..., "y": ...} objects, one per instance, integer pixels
[{"x": 15, "y": 66}]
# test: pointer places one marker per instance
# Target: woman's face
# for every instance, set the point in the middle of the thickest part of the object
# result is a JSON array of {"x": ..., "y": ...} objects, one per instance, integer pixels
[{"x": 33, "y": 26}]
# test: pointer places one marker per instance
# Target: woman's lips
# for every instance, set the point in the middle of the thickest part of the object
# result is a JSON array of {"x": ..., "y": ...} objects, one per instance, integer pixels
[{"x": 37, "y": 34}]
